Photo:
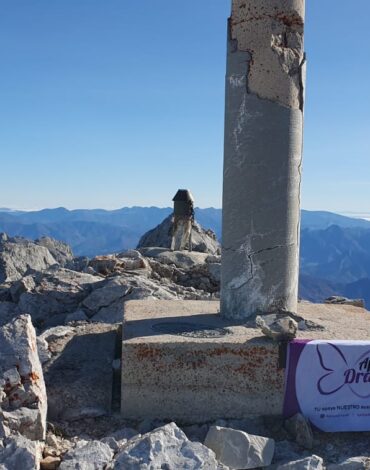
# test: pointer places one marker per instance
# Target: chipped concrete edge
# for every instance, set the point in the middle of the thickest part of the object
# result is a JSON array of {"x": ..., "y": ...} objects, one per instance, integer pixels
[{"x": 274, "y": 38}]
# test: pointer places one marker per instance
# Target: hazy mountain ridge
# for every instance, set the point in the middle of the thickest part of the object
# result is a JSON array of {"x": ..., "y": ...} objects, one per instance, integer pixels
[{"x": 335, "y": 249}]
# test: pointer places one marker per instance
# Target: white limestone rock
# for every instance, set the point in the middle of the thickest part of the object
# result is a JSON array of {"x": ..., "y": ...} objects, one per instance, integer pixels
[
  {"x": 165, "y": 447},
  {"x": 20, "y": 453},
  {"x": 353, "y": 463},
  {"x": 338, "y": 300},
  {"x": 112, "y": 443},
  {"x": 25, "y": 421},
  {"x": 309, "y": 463},
  {"x": 127, "y": 261},
  {"x": 26, "y": 284},
  {"x": 239, "y": 450},
  {"x": 106, "y": 296},
  {"x": 122, "y": 289},
  {"x": 181, "y": 259},
  {"x": 57, "y": 291},
  {"x": 59, "y": 250},
  {"x": 18, "y": 255},
  {"x": 132, "y": 254},
  {"x": 43, "y": 350},
  {"x": 279, "y": 327},
  {"x": 19, "y": 360},
  {"x": 57, "y": 332},
  {"x": 87, "y": 455}
]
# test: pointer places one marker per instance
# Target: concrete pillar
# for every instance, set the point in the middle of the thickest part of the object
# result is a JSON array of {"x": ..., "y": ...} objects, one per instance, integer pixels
[{"x": 263, "y": 156}]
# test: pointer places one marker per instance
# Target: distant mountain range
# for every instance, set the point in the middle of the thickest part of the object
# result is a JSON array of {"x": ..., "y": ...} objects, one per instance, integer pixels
[{"x": 335, "y": 250}]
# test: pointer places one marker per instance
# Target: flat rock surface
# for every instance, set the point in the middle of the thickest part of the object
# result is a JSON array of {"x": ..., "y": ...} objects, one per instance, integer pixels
[
  {"x": 79, "y": 376},
  {"x": 143, "y": 317}
]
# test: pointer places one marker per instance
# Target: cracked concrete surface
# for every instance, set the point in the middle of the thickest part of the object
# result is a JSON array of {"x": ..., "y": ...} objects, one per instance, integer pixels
[
  {"x": 263, "y": 157},
  {"x": 272, "y": 32}
]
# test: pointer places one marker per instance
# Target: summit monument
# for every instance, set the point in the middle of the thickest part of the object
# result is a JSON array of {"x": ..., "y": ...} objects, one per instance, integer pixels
[{"x": 182, "y": 359}]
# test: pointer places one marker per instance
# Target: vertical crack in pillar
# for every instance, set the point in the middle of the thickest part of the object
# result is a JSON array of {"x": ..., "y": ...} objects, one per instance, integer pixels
[{"x": 263, "y": 156}]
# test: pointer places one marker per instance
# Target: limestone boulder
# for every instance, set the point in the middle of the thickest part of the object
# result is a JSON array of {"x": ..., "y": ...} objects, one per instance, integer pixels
[
  {"x": 105, "y": 305},
  {"x": 18, "y": 255},
  {"x": 79, "y": 263},
  {"x": 20, "y": 453},
  {"x": 180, "y": 259},
  {"x": 25, "y": 421},
  {"x": 165, "y": 447},
  {"x": 279, "y": 327},
  {"x": 239, "y": 450},
  {"x": 87, "y": 455},
  {"x": 130, "y": 260},
  {"x": 43, "y": 350},
  {"x": 49, "y": 336},
  {"x": 22, "y": 387},
  {"x": 338, "y": 300},
  {"x": 353, "y": 463},
  {"x": 204, "y": 241},
  {"x": 105, "y": 296},
  {"x": 61, "y": 252},
  {"x": 57, "y": 291},
  {"x": 57, "y": 332},
  {"x": 313, "y": 462},
  {"x": 26, "y": 284}
]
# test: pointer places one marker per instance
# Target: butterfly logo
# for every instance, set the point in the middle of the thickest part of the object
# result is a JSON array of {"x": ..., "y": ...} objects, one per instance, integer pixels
[{"x": 339, "y": 374}]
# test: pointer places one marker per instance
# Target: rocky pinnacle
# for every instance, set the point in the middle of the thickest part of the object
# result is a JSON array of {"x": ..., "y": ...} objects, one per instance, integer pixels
[{"x": 263, "y": 156}]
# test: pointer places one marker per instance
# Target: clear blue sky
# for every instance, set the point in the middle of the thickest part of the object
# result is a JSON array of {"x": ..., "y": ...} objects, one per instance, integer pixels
[{"x": 109, "y": 103}]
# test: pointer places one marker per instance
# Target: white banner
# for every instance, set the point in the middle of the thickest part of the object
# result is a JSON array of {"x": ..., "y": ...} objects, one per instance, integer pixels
[{"x": 329, "y": 383}]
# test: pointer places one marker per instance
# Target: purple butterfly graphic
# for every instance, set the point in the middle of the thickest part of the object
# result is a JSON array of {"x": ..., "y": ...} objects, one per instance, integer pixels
[{"x": 340, "y": 374}]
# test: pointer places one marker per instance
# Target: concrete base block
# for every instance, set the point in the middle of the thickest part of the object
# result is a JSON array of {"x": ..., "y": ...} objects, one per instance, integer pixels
[{"x": 182, "y": 361}]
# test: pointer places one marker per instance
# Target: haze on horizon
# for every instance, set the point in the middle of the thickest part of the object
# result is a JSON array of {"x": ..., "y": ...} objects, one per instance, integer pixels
[{"x": 121, "y": 104}]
